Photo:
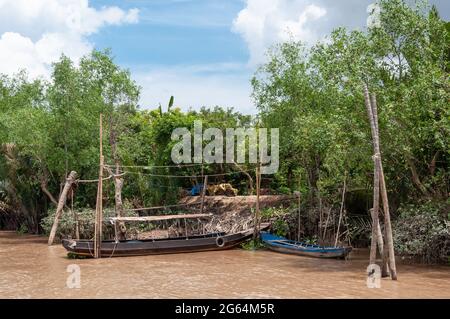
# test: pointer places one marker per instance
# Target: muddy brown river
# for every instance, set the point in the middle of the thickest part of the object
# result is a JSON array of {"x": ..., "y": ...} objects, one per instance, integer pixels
[{"x": 31, "y": 269}]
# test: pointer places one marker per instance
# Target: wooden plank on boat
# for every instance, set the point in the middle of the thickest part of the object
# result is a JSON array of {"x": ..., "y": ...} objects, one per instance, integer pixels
[
  {"x": 285, "y": 242},
  {"x": 161, "y": 217}
]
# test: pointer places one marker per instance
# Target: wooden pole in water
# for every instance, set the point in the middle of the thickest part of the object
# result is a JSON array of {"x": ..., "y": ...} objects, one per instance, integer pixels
[
  {"x": 388, "y": 256},
  {"x": 75, "y": 216},
  {"x": 99, "y": 208},
  {"x": 299, "y": 210},
  {"x": 61, "y": 202},
  {"x": 376, "y": 178},
  {"x": 384, "y": 250},
  {"x": 380, "y": 243}
]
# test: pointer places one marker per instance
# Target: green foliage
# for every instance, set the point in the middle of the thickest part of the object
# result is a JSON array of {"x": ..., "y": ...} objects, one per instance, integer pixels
[
  {"x": 278, "y": 217},
  {"x": 315, "y": 98},
  {"x": 423, "y": 230},
  {"x": 252, "y": 244},
  {"x": 280, "y": 227},
  {"x": 51, "y": 128},
  {"x": 71, "y": 255},
  {"x": 311, "y": 240},
  {"x": 23, "y": 229}
]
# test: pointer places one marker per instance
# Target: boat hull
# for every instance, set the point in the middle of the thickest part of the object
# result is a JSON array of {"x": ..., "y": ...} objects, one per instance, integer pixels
[
  {"x": 283, "y": 245},
  {"x": 218, "y": 241}
]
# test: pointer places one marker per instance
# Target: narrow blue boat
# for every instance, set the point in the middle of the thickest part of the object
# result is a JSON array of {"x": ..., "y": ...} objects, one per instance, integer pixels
[{"x": 283, "y": 245}]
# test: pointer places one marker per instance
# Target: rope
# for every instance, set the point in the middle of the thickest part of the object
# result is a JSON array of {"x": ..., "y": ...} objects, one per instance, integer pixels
[
  {"x": 156, "y": 166},
  {"x": 96, "y": 180},
  {"x": 114, "y": 250},
  {"x": 185, "y": 176},
  {"x": 90, "y": 251}
]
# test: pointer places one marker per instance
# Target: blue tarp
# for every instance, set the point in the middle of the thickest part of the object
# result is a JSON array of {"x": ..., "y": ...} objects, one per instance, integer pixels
[{"x": 196, "y": 190}]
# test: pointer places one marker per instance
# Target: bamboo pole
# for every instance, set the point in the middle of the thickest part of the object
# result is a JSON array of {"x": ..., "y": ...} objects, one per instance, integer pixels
[
  {"x": 341, "y": 210},
  {"x": 75, "y": 216},
  {"x": 96, "y": 225},
  {"x": 299, "y": 214},
  {"x": 61, "y": 202},
  {"x": 205, "y": 183},
  {"x": 257, "y": 212},
  {"x": 380, "y": 240},
  {"x": 384, "y": 251},
  {"x": 376, "y": 178},
  {"x": 326, "y": 224},
  {"x": 388, "y": 251},
  {"x": 99, "y": 208},
  {"x": 319, "y": 227}
]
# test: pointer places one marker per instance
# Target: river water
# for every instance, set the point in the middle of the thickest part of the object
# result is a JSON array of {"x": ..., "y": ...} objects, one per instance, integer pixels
[{"x": 31, "y": 269}]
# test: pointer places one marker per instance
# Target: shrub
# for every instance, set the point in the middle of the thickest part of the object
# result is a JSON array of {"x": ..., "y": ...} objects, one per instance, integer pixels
[
  {"x": 280, "y": 219},
  {"x": 423, "y": 231}
]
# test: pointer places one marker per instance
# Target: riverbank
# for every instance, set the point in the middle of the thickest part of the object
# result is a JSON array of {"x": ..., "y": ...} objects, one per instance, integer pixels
[{"x": 31, "y": 269}]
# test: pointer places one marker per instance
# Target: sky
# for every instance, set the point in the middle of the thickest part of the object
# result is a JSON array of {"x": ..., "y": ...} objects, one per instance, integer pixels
[{"x": 203, "y": 52}]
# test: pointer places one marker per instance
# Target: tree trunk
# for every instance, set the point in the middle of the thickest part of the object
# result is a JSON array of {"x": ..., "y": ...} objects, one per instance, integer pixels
[
  {"x": 432, "y": 165},
  {"x": 62, "y": 201},
  {"x": 44, "y": 188},
  {"x": 415, "y": 177},
  {"x": 250, "y": 179},
  {"x": 118, "y": 180}
]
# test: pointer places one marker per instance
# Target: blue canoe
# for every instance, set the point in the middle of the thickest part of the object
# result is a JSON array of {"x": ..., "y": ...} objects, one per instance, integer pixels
[{"x": 283, "y": 245}]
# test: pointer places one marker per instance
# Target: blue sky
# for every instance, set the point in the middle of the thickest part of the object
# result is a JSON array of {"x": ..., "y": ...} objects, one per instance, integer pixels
[
  {"x": 187, "y": 48},
  {"x": 175, "y": 32},
  {"x": 203, "y": 52}
]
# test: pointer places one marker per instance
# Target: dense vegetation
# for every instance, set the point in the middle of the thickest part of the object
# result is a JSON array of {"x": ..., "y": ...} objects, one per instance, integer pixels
[{"x": 314, "y": 95}]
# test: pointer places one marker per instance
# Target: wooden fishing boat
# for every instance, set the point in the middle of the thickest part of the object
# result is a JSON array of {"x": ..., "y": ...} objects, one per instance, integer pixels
[
  {"x": 283, "y": 245},
  {"x": 115, "y": 248}
]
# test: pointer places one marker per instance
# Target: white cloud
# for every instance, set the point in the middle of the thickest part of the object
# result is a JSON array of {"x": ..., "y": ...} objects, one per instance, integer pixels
[
  {"x": 264, "y": 22},
  {"x": 194, "y": 86},
  {"x": 35, "y": 33}
]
